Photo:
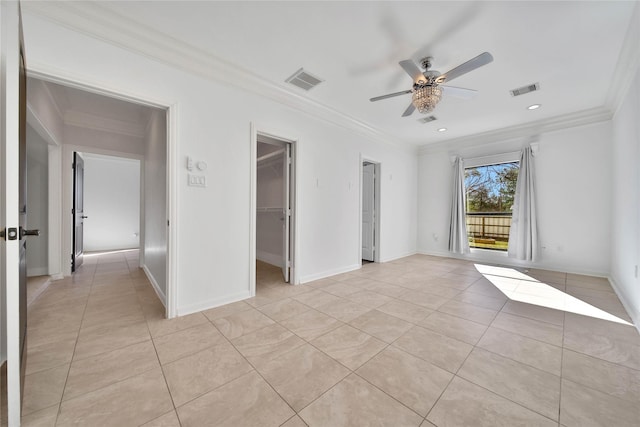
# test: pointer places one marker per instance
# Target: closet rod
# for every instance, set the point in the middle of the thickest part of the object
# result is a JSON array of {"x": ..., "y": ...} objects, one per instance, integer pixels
[{"x": 270, "y": 155}]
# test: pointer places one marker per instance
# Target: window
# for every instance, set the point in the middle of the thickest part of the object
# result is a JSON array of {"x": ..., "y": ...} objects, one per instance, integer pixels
[{"x": 490, "y": 190}]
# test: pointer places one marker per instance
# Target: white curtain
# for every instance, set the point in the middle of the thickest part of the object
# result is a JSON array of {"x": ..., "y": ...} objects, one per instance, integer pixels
[
  {"x": 523, "y": 236},
  {"x": 458, "y": 240}
]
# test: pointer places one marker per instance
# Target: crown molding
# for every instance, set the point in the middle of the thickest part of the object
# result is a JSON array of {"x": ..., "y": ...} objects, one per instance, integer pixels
[
  {"x": 34, "y": 121},
  {"x": 44, "y": 88},
  {"x": 627, "y": 65},
  {"x": 565, "y": 121},
  {"x": 101, "y": 23},
  {"x": 99, "y": 123}
]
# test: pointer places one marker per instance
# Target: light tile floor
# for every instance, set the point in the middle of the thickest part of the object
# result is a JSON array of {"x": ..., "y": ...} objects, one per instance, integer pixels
[{"x": 420, "y": 341}]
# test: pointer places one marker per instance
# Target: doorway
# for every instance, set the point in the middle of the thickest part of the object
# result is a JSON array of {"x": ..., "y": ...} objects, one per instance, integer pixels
[
  {"x": 370, "y": 211},
  {"x": 107, "y": 204},
  {"x": 273, "y": 203},
  {"x": 99, "y": 123}
]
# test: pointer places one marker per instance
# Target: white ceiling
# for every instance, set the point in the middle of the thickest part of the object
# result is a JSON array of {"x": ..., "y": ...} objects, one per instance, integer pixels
[
  {"x": 78, "y": 107},
  {"x": 571, "y": 48}
]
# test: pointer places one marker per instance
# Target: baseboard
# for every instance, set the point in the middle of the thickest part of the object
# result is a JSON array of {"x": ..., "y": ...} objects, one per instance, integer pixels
[
  {"x": 57, "y": 276},
  {"x": 393, "y": 258},
  {"x": 329, "y": 273},
  {"x": 511, "y": 262},
  {"x": 206, "y": 305},
  {"x": 38, "y": 271},
  {"x": 155, "y": 286},
  {"x": 269, "y": 258},
  {"x": 631, "y": 310}
]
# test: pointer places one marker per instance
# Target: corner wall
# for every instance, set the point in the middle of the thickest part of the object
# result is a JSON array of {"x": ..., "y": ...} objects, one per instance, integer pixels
[
  {"x": 155, "y": 203},
  {"x": 573, "y": 183},
  {"x": 625, "y": 206}
]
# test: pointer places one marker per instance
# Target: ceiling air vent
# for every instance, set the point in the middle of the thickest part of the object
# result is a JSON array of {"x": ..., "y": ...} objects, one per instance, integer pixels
[
  {"x": 427, "y": 119},
  {"x": 304, "y": 80},
  {"x": 525, "y": 89}
]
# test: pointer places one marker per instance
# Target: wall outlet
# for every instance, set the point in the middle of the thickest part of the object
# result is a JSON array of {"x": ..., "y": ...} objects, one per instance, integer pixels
[{"x": 197, "y": 180}]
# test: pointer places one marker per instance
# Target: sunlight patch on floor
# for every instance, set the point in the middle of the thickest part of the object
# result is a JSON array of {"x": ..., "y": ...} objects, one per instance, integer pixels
[
  {"x": 520, "y": 287},
  {"x": 116, "y": 251}
]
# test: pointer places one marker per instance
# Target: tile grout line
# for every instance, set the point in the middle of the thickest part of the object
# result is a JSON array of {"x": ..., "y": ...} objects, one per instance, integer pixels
[
  {"x": 64, "y": 388},
  {"x": 253, "y": 367}
]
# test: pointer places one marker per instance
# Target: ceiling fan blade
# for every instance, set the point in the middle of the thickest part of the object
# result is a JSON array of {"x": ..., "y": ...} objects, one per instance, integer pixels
[
  {"x": 412, "y": 69},
  {"x": 470, "y": 65},
  {"x": 459, "y": 92},
  {"x": 409, "y": 111},
  {"x": 390, "y": 95}
]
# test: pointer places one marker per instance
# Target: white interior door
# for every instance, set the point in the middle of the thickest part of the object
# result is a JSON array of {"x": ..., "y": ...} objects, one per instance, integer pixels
[
  {"x": 286, "y": 212},
  {"x": 368, "y": 211},
  {"x": 12, "y": 241},
  {"x": 78, "y": 212}
]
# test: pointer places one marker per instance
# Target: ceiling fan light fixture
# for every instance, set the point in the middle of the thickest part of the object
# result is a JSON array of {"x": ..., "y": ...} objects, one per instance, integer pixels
[{"x": 426, "y": 97}]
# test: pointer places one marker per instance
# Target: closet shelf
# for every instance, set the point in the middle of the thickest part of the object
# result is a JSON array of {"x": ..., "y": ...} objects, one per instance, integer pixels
[
  {"x": 270, "y": 209},
  {"x": 276, "y": 156}
]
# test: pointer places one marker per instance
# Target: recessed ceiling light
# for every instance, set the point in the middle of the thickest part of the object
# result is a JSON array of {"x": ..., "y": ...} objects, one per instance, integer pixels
[
  {"x": 533, "y": 107},
  {"x": 442, "y": 130}
]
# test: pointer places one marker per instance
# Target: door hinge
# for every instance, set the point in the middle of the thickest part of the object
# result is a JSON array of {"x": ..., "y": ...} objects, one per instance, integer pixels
[{"x": 9, "y": 233}]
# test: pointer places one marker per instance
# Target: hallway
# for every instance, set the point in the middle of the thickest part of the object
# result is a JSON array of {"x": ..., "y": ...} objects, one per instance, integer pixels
[{"x": 420, "y": 341}]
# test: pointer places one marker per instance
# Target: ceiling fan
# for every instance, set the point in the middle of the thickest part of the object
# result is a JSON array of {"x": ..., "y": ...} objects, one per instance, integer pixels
[{"x": 428, "y": 86}]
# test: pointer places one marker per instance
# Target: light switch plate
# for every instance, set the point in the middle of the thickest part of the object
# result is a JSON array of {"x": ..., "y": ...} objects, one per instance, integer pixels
[{"x": 197, "y": 180}]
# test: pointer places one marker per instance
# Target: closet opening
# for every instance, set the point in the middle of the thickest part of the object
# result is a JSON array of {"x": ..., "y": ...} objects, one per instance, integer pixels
[
  {"x": 370, "y": 217},
  {"x": 274, "y": 211}
]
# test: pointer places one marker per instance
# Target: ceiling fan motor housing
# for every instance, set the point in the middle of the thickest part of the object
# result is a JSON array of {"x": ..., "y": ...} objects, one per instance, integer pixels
[{"x": 430, "y": 78}]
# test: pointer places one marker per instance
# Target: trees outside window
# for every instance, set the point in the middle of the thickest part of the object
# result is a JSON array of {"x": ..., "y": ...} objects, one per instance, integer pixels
[{"x": 490, "y": 190}]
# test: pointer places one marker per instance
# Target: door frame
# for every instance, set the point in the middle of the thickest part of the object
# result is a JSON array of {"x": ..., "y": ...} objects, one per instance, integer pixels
[
  {"x": 376, "y": 206},
  {"x": 294, "y": 184},
  {"x": 42, "y": 72}
]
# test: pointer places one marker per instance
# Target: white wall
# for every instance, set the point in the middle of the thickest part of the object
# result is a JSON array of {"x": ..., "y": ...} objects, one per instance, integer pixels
[
  {"x": 155, "y": 202},
  {"x": 625, "y": 229},
  {"x": 111, "y": 203},
  {"x": 573, "y": 173},
  {"x": 37, "y": 203},
  {"x": 212, "y": 123}
]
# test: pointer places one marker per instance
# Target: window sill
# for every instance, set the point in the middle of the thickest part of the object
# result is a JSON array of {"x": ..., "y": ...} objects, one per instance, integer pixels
[{"x": 489, "y": 253}]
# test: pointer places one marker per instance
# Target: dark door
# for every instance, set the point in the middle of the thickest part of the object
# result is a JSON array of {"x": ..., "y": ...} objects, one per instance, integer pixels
[
  {"x": 78, "y": 211},
  {"x": 22, "y": 204}
]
